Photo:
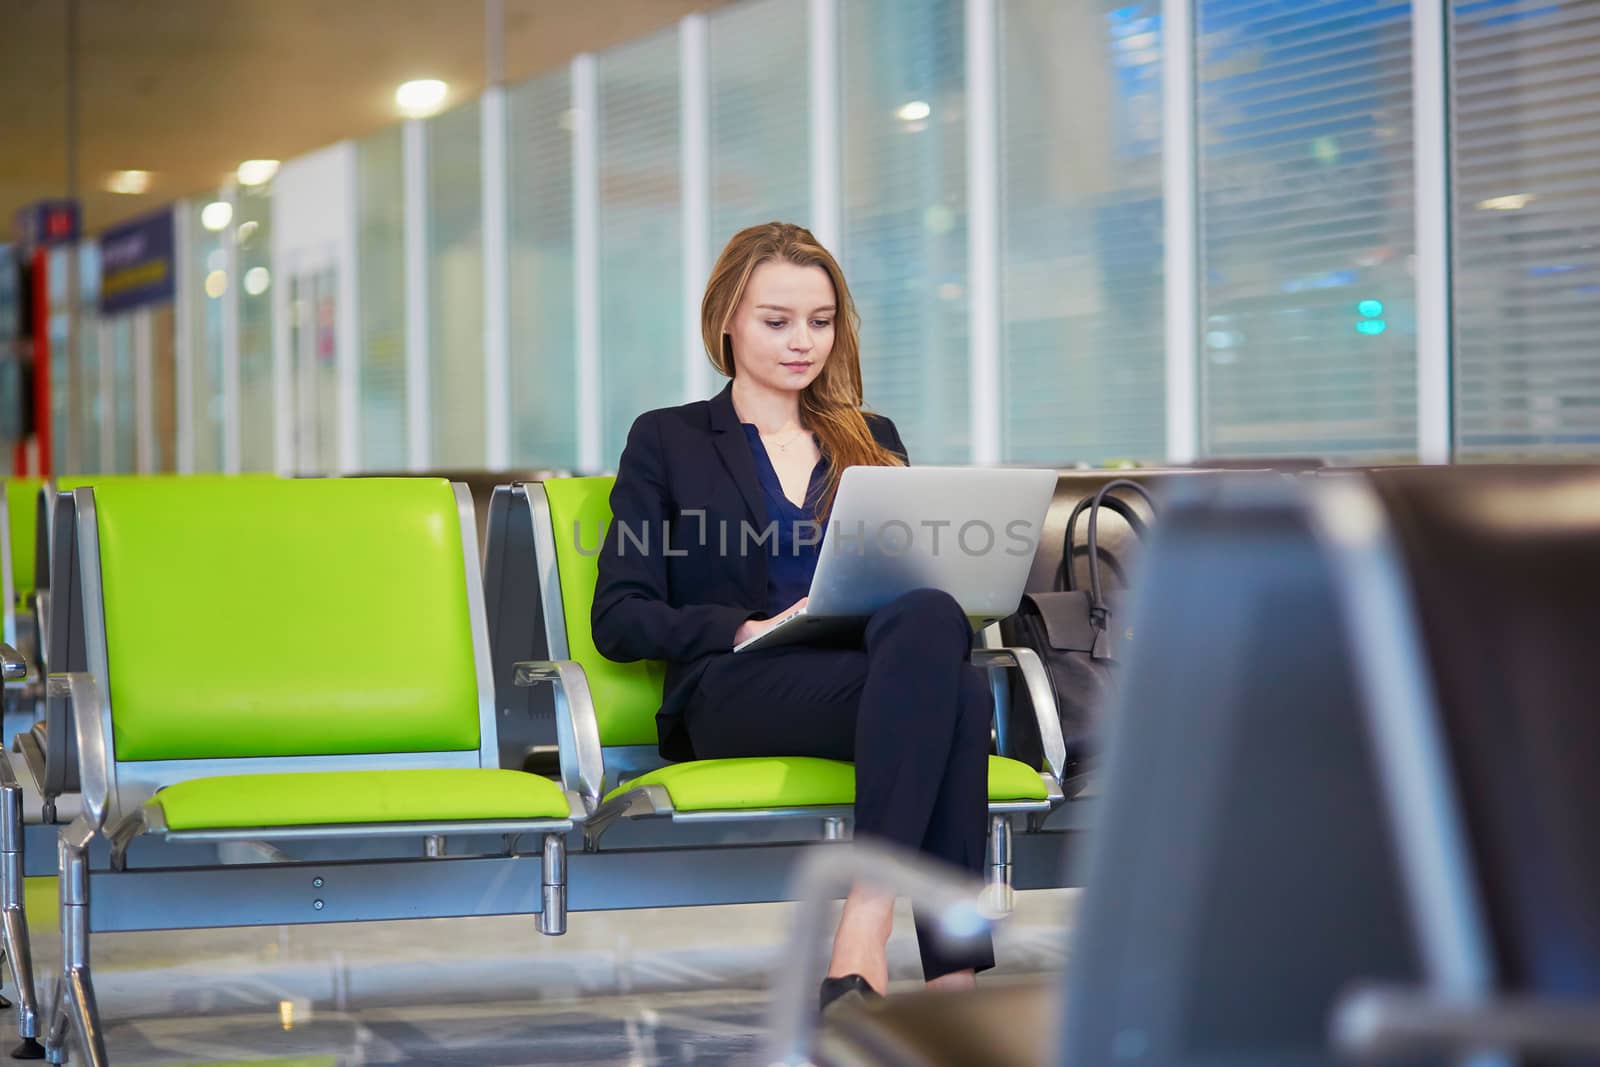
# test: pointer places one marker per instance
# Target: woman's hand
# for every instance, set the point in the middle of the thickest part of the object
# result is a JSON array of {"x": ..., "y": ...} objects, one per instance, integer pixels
[{"x": 754, "y": 627}]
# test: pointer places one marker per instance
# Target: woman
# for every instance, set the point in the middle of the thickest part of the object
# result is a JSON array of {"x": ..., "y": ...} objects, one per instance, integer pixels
[{"x": 906, "y": 706}]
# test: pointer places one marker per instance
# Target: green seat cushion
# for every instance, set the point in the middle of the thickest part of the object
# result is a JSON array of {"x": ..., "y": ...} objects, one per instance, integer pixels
[
  {"x": 753, "y": 782},
  {"x": 1012, "y": 780},
  {"x": 332, "y": 798},
  {"x": 626, "y": 695},
  {"x": 263, "y": 617},
  {"x": 22, "y": 509},
  {"x": 797, "y": 782}
]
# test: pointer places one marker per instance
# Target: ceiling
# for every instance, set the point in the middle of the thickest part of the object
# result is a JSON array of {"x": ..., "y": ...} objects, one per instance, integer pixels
[{"x": 189, "y": 88}]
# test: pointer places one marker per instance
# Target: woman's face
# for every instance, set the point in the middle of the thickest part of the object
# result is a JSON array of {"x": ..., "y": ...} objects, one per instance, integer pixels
[{"x": 782, "y": 331}]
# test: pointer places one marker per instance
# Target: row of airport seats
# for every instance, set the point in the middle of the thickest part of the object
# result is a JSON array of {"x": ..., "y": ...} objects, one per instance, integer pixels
[
  {"x": 1348, "y": 809},
  {"x": 302, "y": 670}
]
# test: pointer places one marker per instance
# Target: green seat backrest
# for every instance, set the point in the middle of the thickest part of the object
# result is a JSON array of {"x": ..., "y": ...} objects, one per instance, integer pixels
[
  {"x": 67, "y": 482},
  {"x": 626, "y": 695},
  {"x": 22, "y": 502},
  {"x": 261, "y": 617}
]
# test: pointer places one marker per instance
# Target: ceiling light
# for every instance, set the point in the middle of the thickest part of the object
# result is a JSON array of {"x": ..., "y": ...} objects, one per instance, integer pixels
[
  {"x": 1514, "y": 202},
  {"x": 914, "y": 111},
  {"x": 128, "y": 182},
  {"x": 216, "y": 215},
  {"x": 257, "y": 171},
  {"x": 419, "y": 99}
]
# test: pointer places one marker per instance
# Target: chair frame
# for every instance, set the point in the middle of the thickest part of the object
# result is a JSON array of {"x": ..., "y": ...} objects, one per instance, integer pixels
[
  {"x": 1460, "y": 1007},
  {"x": 595, "y": 766},
  {"x": 117, "y": 804}
]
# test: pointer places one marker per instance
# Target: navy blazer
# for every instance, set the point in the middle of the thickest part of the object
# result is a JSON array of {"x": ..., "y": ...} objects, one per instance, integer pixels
[{"x": 674, "y": 584}]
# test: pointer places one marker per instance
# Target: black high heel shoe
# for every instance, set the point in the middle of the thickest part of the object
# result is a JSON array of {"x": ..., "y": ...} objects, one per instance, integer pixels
[{"x": 845, "y": 988}]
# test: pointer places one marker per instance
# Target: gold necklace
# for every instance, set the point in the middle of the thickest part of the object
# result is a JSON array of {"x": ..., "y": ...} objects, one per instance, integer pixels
[{"x": 792, "y": 438}]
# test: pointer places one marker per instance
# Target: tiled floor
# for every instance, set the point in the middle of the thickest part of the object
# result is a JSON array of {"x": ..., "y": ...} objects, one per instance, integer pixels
[{"x": 629, "y": 989}]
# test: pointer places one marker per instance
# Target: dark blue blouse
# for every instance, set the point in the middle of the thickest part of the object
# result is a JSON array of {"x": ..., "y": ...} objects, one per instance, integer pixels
[{"x": 791, "y": 562}]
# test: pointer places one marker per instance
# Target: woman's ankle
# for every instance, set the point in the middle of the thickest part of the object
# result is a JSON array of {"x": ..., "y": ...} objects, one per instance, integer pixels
[{"x": 954, "y": 981}]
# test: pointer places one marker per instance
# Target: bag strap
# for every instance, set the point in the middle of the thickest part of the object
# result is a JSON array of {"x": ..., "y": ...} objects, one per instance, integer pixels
[
  {"x": 1097, "y": 605},
  {"x": 1065, "y": 578}
]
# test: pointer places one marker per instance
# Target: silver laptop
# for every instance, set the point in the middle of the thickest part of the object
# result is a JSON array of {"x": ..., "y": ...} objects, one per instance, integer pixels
[{"x": 969, "y": 531}]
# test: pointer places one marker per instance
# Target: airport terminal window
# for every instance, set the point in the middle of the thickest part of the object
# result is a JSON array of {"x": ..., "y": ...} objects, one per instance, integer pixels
[
  {"x": 641, "y": 256},
  {"x": 207, "y": 261},
  {"x": 455, "y": 287},
  {"x": 79, "y": 347},
  {"x": 119, "y": 393},
  {"x": 252, "y": 226},
  {"x": 381, "y": 275},
  {"x": 760, "y": 121},
  {"x": 1526, "y": 180},
  {"x": 1082, "y": 295},
  {"x": 544, "y": 423},
  {"x": 1308, "y": 321},
  {"x": 905, "y": 207}
]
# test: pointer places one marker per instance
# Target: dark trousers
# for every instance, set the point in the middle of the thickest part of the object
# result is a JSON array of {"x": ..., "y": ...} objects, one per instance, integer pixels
[{"x": 908, "y": 708}]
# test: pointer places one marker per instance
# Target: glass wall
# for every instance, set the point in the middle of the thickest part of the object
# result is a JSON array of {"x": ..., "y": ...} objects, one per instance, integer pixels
[
  {"x": 252, "y": 221},
  {"x": 121, "y": 441},
  {"x": 75, "y": 358},
  {"x": 164, "y": 387},
  {"x": 1307, "y": 231},
  {"x": 544, "y": 420},
  {"x": 94, "y": 397},
  {"x": 1305, "y": 238},
  {"x": 641, "y": 236},
  {"x": 1081, "y": 265},
  {"x": 1526, "y": 169},
  {"x": 455, "y": 288},
  {"x": 760, "y": 119},
  {"x": 209, "y": 282},
  {"x": 905, "y": 201},
  {"x": 381, "y": 277}
]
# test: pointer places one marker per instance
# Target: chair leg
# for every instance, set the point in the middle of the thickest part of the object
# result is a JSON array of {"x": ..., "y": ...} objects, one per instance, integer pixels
[
  {"x": 55, "y": 1039},
  {"x": 14, "y": 921},
  {"x": 1000, "y": 863},
  {"x": 77, "y": 992},
  {"x": 553, "y": 914}
]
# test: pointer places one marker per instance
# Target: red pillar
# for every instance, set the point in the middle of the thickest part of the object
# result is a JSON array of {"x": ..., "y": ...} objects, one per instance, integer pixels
[{"x": 41, "y": 361}]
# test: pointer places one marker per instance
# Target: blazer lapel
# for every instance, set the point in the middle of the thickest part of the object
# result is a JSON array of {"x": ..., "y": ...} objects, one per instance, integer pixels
[{"x": 735, "y": 452}]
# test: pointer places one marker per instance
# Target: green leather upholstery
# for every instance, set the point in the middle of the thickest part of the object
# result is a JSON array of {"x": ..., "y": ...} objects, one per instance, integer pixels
[
  {"x": 797, "y": 781},
  {"x": 22, "y": 504},
  {"x": 333, "y": 798},
  {"x": 626, "y": 695},
  {"x": 200, "y": 575},
  {"x": 1011, "y": 779},
  {"x": 755, "y": 782}
]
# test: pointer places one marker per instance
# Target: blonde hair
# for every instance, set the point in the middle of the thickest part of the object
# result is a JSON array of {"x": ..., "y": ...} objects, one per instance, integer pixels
[{"x": 830, "y": 406}]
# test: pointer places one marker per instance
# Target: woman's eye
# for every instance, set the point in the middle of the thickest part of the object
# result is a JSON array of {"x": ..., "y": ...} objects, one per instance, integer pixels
[
  {"x": 776, "y": 324},
  {"x": 821, "y": 324}
]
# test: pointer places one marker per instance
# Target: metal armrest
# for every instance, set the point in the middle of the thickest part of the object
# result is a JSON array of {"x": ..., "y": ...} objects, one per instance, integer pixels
[
  {"x": 960, "y": 907},
  {"x": 1040, "y": 694},
  {"x": 1385, "y": 1022},
  {"x": 78, "y": 694},
  {"x": 577, "y": 730},
  {"x": 13, "y": 668}
]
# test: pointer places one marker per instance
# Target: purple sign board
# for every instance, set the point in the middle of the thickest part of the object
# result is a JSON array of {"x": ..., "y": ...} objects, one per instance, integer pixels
[
  {"x": 138, "y": 264},
  {"x": 46, "y": 222}
]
